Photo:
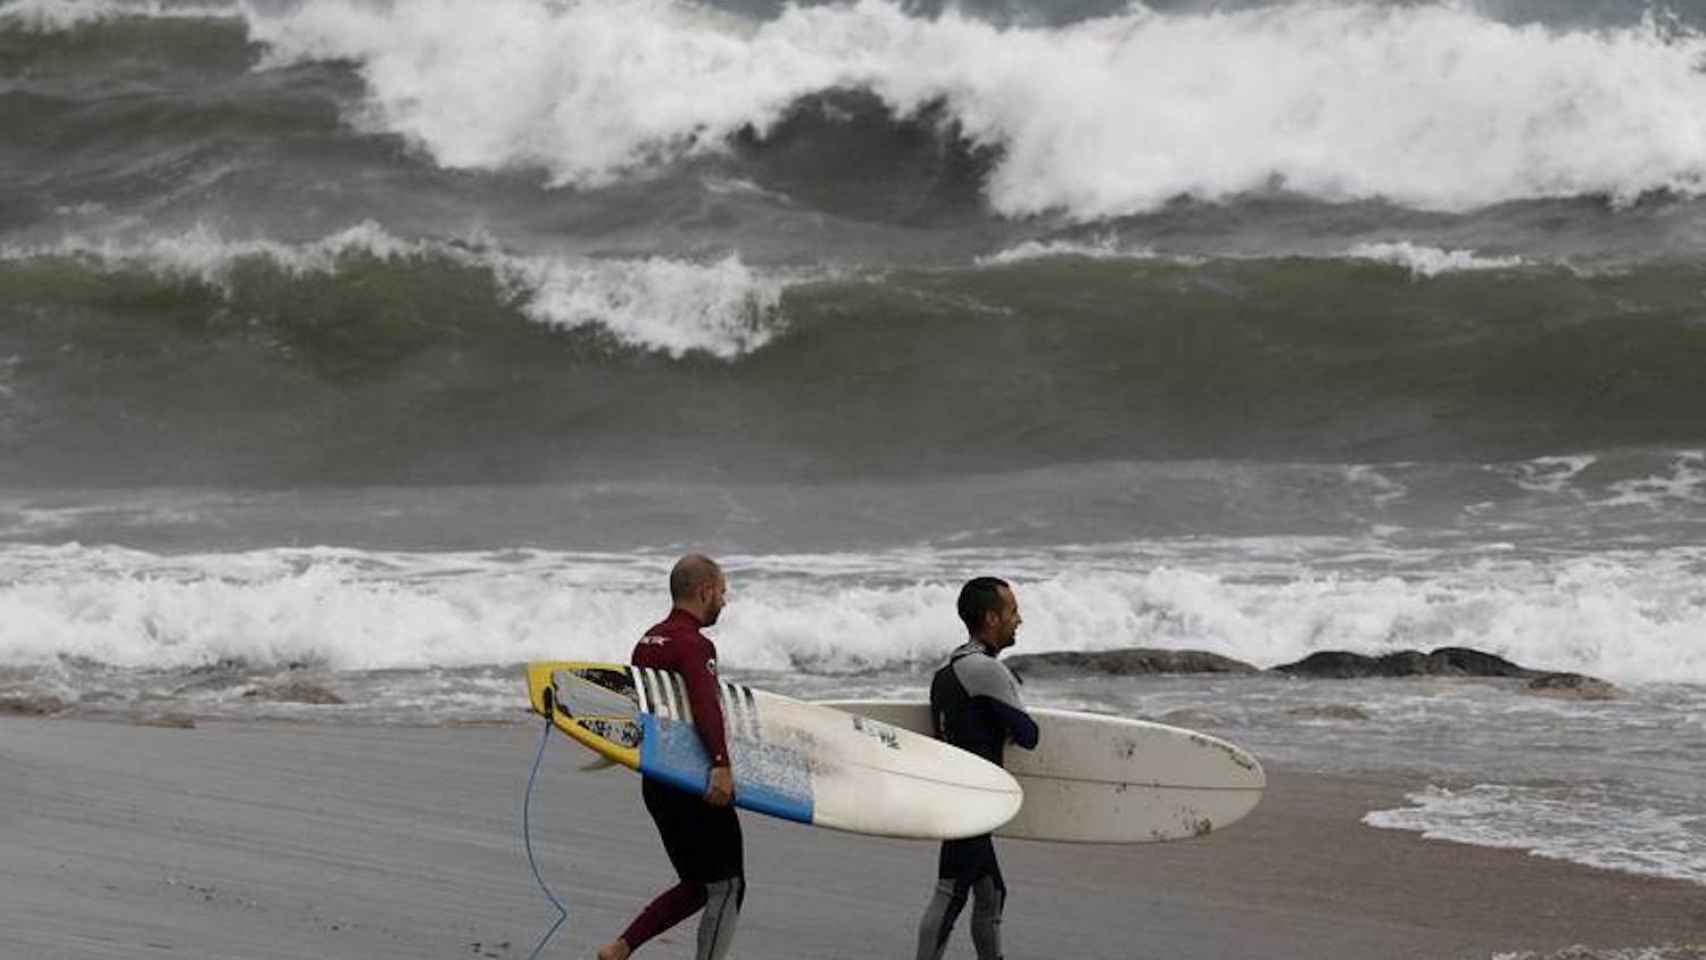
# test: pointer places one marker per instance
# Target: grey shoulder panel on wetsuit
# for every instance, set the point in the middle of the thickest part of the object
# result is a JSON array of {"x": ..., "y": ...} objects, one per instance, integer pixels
[{"x": 984, "y": 676}]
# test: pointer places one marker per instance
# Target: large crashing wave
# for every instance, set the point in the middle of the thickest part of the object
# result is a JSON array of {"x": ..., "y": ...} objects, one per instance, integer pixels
[{"x": 1433, "y": 107}]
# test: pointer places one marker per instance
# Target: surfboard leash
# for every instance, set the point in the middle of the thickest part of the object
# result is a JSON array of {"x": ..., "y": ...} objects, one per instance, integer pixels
[{"x": 527, "y": 840}]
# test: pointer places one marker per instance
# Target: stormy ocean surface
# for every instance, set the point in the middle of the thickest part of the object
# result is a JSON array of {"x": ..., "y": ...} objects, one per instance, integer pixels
[{"x": 380, "y": 347}]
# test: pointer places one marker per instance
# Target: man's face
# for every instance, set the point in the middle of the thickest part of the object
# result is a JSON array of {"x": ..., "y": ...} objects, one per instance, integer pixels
[
  {"x": 1007, "y": 621},
  {"x": 712, "y": 596}
]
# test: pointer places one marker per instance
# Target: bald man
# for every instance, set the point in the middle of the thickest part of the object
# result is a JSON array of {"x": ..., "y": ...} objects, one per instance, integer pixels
[{"x": 701, "y": 833}]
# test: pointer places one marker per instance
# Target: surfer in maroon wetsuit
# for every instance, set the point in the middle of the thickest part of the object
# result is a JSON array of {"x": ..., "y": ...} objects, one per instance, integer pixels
[{"x": 701, "y": 833}]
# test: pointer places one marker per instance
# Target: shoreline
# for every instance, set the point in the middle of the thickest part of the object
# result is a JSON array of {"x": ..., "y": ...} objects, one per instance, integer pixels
[{"x": 278, "y": 839}]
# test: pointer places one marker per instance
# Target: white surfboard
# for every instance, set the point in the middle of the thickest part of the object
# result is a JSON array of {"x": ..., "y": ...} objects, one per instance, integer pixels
[
  {"x": 790, "y": 759},
  {"x": 1101, "y": 779}
]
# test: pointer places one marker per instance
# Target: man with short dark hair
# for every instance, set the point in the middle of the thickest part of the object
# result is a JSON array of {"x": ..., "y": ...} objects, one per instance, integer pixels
[
  {"x": 975, "y": 705},
  {"x": 701, "y": 834}
]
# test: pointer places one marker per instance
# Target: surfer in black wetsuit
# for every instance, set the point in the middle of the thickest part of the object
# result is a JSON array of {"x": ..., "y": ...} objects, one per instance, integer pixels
[
  {"x": 975, "y": 705},
  {"x": 701, "y": 834}
]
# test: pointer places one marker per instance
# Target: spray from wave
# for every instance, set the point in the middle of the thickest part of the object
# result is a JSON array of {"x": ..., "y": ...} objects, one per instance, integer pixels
[{"x": 1432, "y": 107}]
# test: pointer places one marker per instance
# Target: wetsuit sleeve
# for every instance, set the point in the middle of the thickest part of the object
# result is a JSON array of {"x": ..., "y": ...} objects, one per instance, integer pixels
[
  {"x": 987, "y": 680},
  {"x": 698, "y": 669},
  {"x": 1019, "y": 725}
]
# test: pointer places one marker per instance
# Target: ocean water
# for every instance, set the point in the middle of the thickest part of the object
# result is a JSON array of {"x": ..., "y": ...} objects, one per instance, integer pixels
[{"x": 386, "y": 346}]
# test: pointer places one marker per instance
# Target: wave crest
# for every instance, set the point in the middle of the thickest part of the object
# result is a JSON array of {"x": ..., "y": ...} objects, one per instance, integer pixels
[
  {"x": 723, "y": 307},
  {"x": 1431, "y": 107}
]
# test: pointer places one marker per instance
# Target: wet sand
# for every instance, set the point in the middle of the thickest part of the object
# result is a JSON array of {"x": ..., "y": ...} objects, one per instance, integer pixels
[{"x": 271, "y": 840}]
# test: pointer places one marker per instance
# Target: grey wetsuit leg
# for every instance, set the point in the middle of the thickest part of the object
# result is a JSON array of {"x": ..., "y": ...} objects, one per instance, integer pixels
[
  {"x": 989, "y": 897},
  {"x": 722, "y": 914},
  {"x": 939, "y": 916}
]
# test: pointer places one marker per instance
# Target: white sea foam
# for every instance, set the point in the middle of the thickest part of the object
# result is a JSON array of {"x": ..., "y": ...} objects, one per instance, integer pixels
[
  {"x": 1631, "y": 619},
  {"x": 1104, "y": 247},
  {"x": 1673, "y": 951},
  {"x": 1422, "y": 261},
  {"x": 1579, "y": 823},
  {"x": 50, "y": 15},
  {"x": 722, "y": 307},
  {"x": 1551, "y": 474},
  {"x": 1430, "y": 261},
  {"x": 1430, "y": 106},
  {"x": 1686, "y": 483}
]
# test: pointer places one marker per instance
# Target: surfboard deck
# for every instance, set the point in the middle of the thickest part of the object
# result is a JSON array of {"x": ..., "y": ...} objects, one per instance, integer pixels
[
  {"x": 1102, "y": 779},
  {"x": 790, "y": 759}
]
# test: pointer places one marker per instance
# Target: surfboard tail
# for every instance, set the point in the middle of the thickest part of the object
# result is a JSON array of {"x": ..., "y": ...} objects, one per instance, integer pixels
[
  {"x": 594, "y": 704},
  {"x": 539, "y": 684}
]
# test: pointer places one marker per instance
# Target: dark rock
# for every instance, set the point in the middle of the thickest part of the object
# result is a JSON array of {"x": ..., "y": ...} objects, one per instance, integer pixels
[
  {"x": 1473, "y": 663},
  {"x": 1572, "y": 686},
  {"x": 1128, "y": 662},
  {"x": 1343, "y": 665},
  {"x": 1449, "y": 662},
  {"x": 1446, "y": 661}
]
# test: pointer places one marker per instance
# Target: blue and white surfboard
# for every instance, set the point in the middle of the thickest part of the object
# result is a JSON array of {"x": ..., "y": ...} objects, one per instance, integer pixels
[{"x": 790, "y": 759}]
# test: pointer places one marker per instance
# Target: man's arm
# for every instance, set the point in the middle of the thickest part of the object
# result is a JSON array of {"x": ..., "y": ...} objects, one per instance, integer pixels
[
  {"x": 986, "y": 680},
  {"x": 1020, "y": 727},
  {"x": 698, "y": 669}
]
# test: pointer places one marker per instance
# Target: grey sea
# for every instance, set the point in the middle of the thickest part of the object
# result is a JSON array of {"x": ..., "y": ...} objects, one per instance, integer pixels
[{"x": 378, "y": 348}]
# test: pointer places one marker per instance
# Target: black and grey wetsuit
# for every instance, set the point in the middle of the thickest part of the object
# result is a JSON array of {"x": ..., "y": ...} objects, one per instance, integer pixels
[{"x": 974, "y": 705}]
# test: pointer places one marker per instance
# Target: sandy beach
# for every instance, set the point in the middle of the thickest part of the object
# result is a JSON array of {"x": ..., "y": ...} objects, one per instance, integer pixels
[{"x": 272, "y": 840}]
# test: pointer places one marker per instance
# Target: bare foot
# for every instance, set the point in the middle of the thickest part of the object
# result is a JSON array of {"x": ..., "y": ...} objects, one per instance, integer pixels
[{"x": 615, "y": 950}]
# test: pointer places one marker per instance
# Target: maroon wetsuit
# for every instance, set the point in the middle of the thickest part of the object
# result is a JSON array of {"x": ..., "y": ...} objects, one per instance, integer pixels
[
  {"x": 703, "y": 842},
  {"x": 677, "y": 645}
]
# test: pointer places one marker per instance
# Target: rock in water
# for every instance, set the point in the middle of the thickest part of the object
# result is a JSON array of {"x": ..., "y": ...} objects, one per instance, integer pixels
[
  {"x": 1128, "y": 662},
  {"x": 1572, "y": 686}
]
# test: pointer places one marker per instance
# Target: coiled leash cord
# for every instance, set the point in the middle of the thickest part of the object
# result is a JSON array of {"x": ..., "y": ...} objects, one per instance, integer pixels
[{"x": 527, "y": 840}]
